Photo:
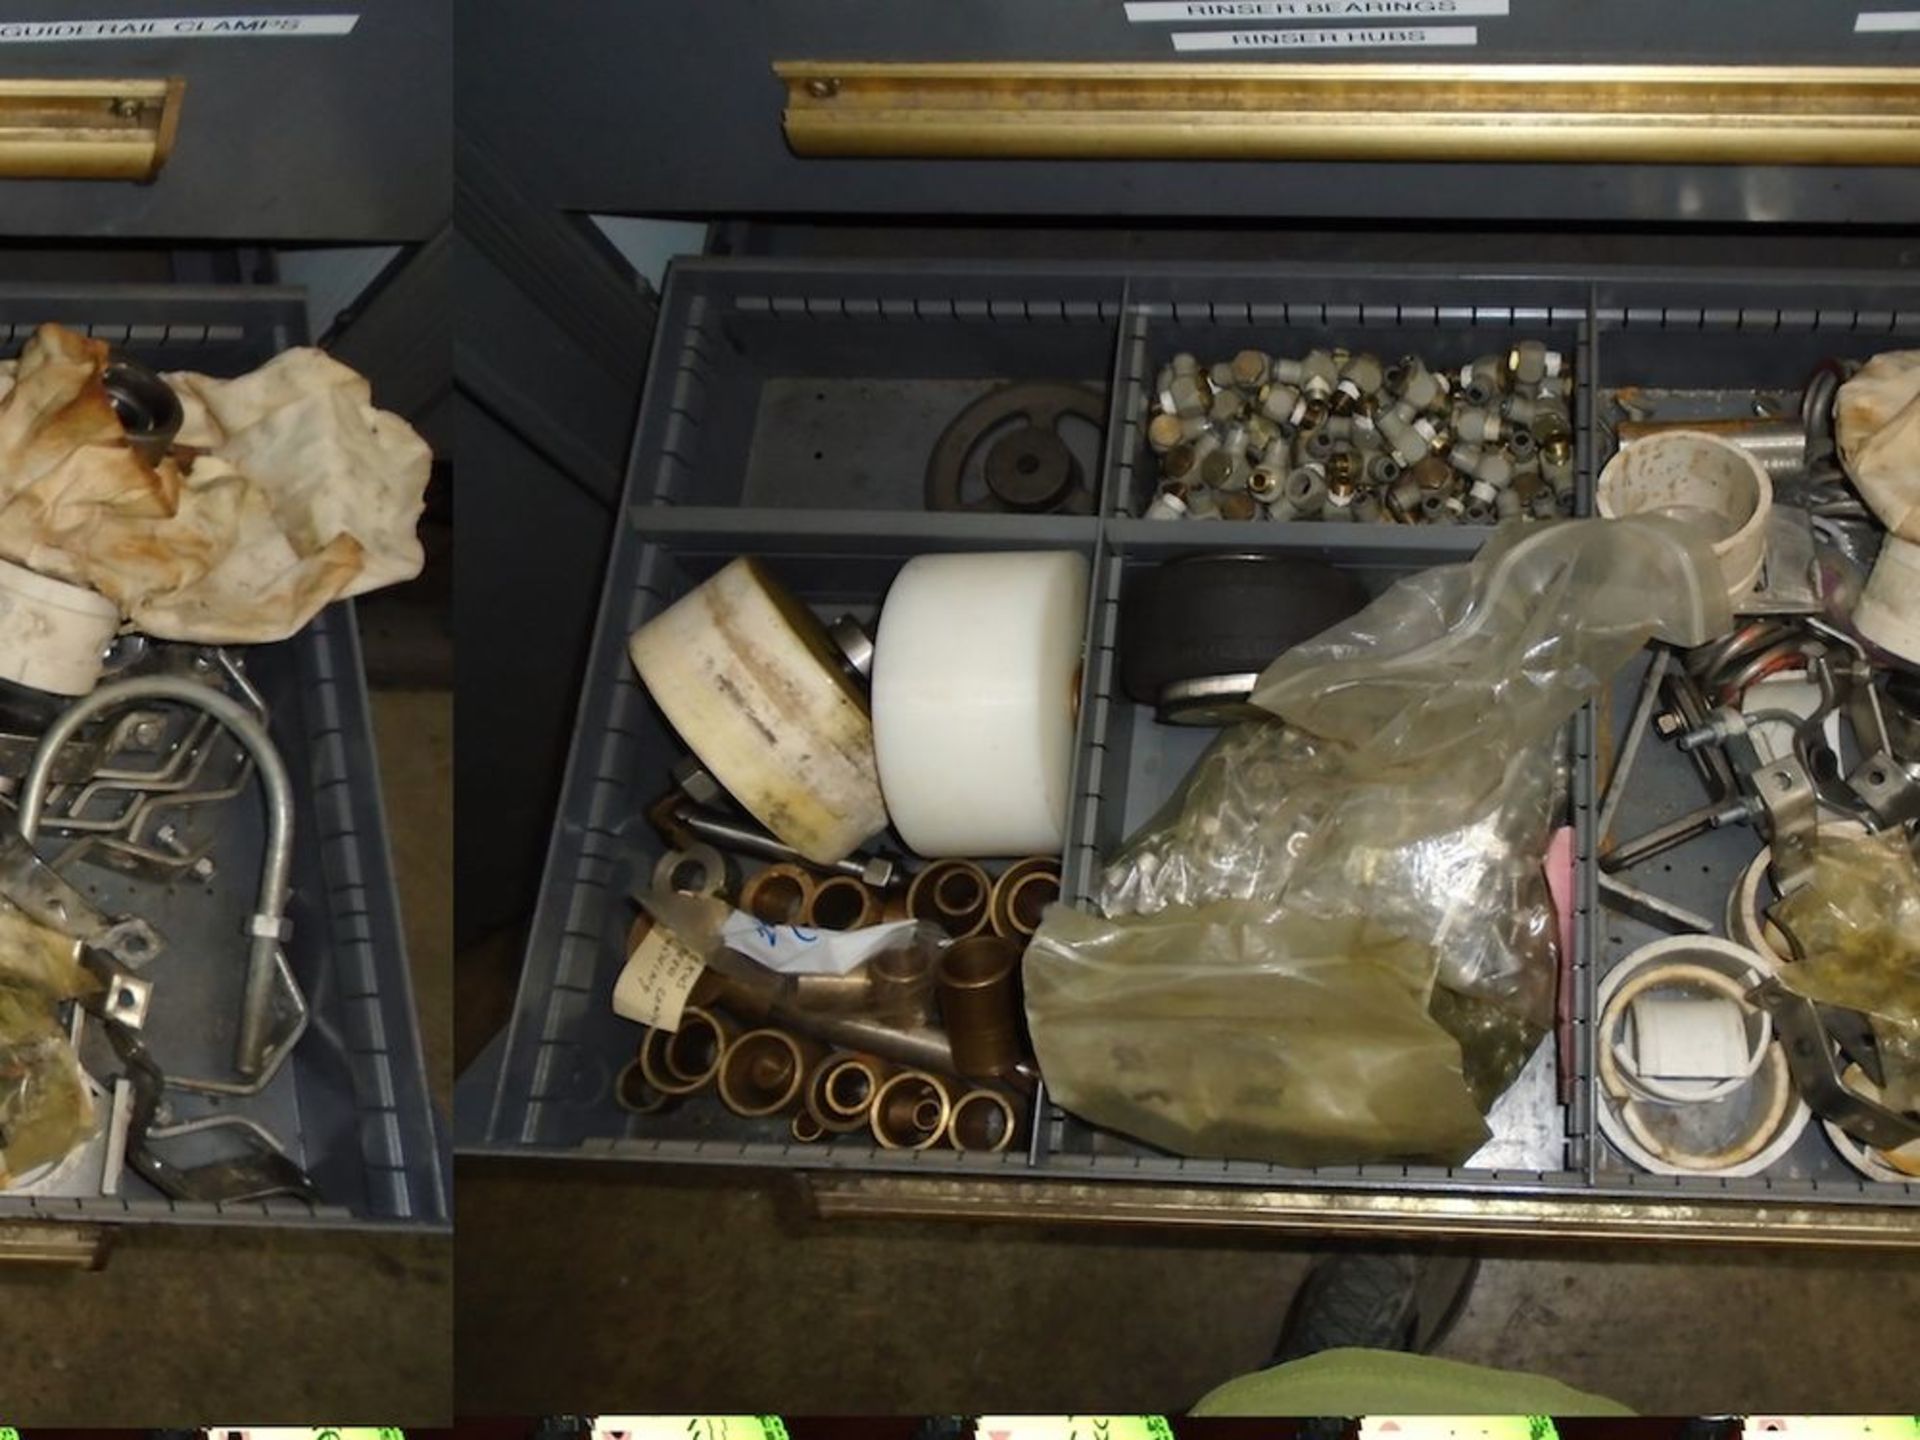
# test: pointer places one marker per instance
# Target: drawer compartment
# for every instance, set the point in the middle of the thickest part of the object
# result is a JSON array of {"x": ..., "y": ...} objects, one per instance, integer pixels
[
  {"x": 807, "y": 390},
  {"x": 351, "y": 1104}
]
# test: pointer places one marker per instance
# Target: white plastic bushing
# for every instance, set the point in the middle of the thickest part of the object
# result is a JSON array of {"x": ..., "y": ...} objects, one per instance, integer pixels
[
  {"x": 1695, "y": 475},
  {"x": 1888, "y": 612},
  {"x": 53, "y": 636}
]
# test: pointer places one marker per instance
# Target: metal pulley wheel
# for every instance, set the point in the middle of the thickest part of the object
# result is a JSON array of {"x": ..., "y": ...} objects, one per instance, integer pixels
[{"x": 1026, "y": 465}]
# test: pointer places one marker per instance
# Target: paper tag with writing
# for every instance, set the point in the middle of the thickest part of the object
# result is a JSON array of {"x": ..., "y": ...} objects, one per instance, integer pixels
[{"x": 658, "y": 977}]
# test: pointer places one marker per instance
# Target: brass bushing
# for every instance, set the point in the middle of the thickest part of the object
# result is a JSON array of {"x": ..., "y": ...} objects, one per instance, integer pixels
[
  {"x": 804, "y": 1128},
  {"x": 679, "y": 1062},
  {"x": 978, "y": 981},
  {"x": 841, "y": 902},
  {"x": 636, "y": 1094},
  {"x": 953, "y": 894},
  {"x": 778, "y": 894},
  {"x": 900, "y": 982},
  {"x": 1022, "y": 894},
  {"x": 765, "y": 1071},
  {"x": 984, "y": 1121},
  {"x": 840, "y": 1091},
  {"x": 910, "y": 1111}
]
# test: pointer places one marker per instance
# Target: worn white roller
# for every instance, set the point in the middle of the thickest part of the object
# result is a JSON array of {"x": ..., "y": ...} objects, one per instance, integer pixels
[
  {"x": 53, "y": 636},
  {"x": 1701, "y": 477},
  {"x": 976, "y": 678},
  {"x": 746, "y": 674}
]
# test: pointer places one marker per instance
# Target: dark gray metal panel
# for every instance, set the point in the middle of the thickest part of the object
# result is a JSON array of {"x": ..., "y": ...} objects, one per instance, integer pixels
[
  {"x": 400, "y": 336},
  {"x": 293, "y": 138},
  {"x": 551, "y": 85},
  {"x": 531, "y": 547}
]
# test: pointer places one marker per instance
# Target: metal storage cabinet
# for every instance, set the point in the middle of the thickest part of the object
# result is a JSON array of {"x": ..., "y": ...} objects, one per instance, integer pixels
[
  {"x": 352, "y": 1103},
  {"x": 788, "y": 414}
]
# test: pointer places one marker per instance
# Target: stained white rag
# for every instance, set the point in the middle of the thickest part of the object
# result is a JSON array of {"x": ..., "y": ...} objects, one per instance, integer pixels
[{"x": 287, "y": 489}]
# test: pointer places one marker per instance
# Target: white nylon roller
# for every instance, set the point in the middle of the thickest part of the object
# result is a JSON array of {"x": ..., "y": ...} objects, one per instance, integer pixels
[
  {"x": 747, "y": 675},
  {"x": 975, "y": 681}
]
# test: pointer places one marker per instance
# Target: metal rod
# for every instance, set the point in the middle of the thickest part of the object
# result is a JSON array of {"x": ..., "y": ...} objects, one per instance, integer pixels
[
  {"x": 267, "y": 926},
  {"x": 1636, "y": 732}
]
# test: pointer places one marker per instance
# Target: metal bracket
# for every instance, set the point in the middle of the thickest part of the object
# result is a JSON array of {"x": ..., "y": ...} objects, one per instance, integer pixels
[
  {"x": 1811, "y": 1059},
  {"x": 46, "y": 896}
]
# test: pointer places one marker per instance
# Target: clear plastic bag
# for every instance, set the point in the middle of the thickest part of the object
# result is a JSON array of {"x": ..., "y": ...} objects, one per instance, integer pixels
[
  {"x": 1856, "y": 923},
  {"x": 45, "y": 1107},
  {"x": 1412, "y": 778}
]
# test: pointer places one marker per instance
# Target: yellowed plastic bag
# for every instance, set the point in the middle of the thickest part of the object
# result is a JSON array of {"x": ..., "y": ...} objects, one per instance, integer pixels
[
  {"x": 1226, "y": 1030},
  {"x": 1857, "y": 923},
  {"x": 45, "y": 1107}
]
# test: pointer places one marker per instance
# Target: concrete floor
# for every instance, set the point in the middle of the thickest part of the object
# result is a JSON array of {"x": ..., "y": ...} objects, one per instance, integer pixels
[
  {"x": 191, "y": 1327},
  {"x": 681, "y": 1294}
]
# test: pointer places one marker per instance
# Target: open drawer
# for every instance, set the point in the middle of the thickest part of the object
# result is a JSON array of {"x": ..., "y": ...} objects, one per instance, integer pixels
[
  {"x": 792, "y": 413},
  {"x": 350, "y": 1104}
]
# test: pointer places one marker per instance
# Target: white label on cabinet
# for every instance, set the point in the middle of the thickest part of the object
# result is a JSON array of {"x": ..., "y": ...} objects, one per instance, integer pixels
[
  {"x": 1200, "y": 12},
  {"x": 175, "y": 27},
  {"x": 1886, "y": 20},
  {"x": 1366, "y": 38}
]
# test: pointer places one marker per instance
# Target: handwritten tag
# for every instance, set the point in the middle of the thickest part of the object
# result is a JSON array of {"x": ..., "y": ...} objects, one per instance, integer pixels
[{"x": 658, "y": 976}]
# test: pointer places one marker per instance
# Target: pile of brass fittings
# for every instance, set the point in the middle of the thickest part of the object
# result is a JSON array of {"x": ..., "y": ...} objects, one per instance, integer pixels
[
  {"x": 1793, "y": 729},
  {"x": 128, "y": 779},
  {"x": 920, "y": 1046},
  {"x": 1341, "y": 435}
]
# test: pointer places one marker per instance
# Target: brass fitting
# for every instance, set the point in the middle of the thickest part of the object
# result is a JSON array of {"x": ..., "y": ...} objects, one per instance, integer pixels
[
  {"x": 764, "y": 1071},
  {"x": 1480, "y": 379},
  {"x": 1179, "y": 462},
  {"x": 1530, "y": 362},
  {"x": 1476, "y": 425},
  {"x": 679, "y": 1062},
  {"x": 840, "y": 1091},
  {"x": 833, "y": 994},
  {"x": 1188, "y": 395},
  {"x": 1261, "y": 435},
  {"x": 1164, "y": 432},
  {"x": 1319, "y": 372},
  {"x": 1425, "y": 390},
  {"x": 911, "y": 1110},
  {"x": 1315, "y": 445},
  {"x": 1265, "y": 484},
  {"x": 841, "y": 902},
  {"x": 1251, "y": 368},
  {"x": 952, "y": 894},
  {"x": 1169, "y": 503},
  {"x": 1024, "y": 889},
  {"x": 1238, "y": 505},
  {"x": 900, "y": 985},
  {"x": 779, "y": 894},
  {"x": 1408, "y": 434},
  {"x": 979, "y": 985},
  {"x": 1361, "y": 376},
  {"x": 1280, "y": 403},
  {"x": 636, "y": 1094},
  {"x": 804, "y": 1128},
  {"x": 1228, "y": 405},
  {"x": 983, "y": 1121},
  {"x": 1306, "y": 490},
  {"x": 1403, "y": 497},
  {"x": 1433, "y": 474}
]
